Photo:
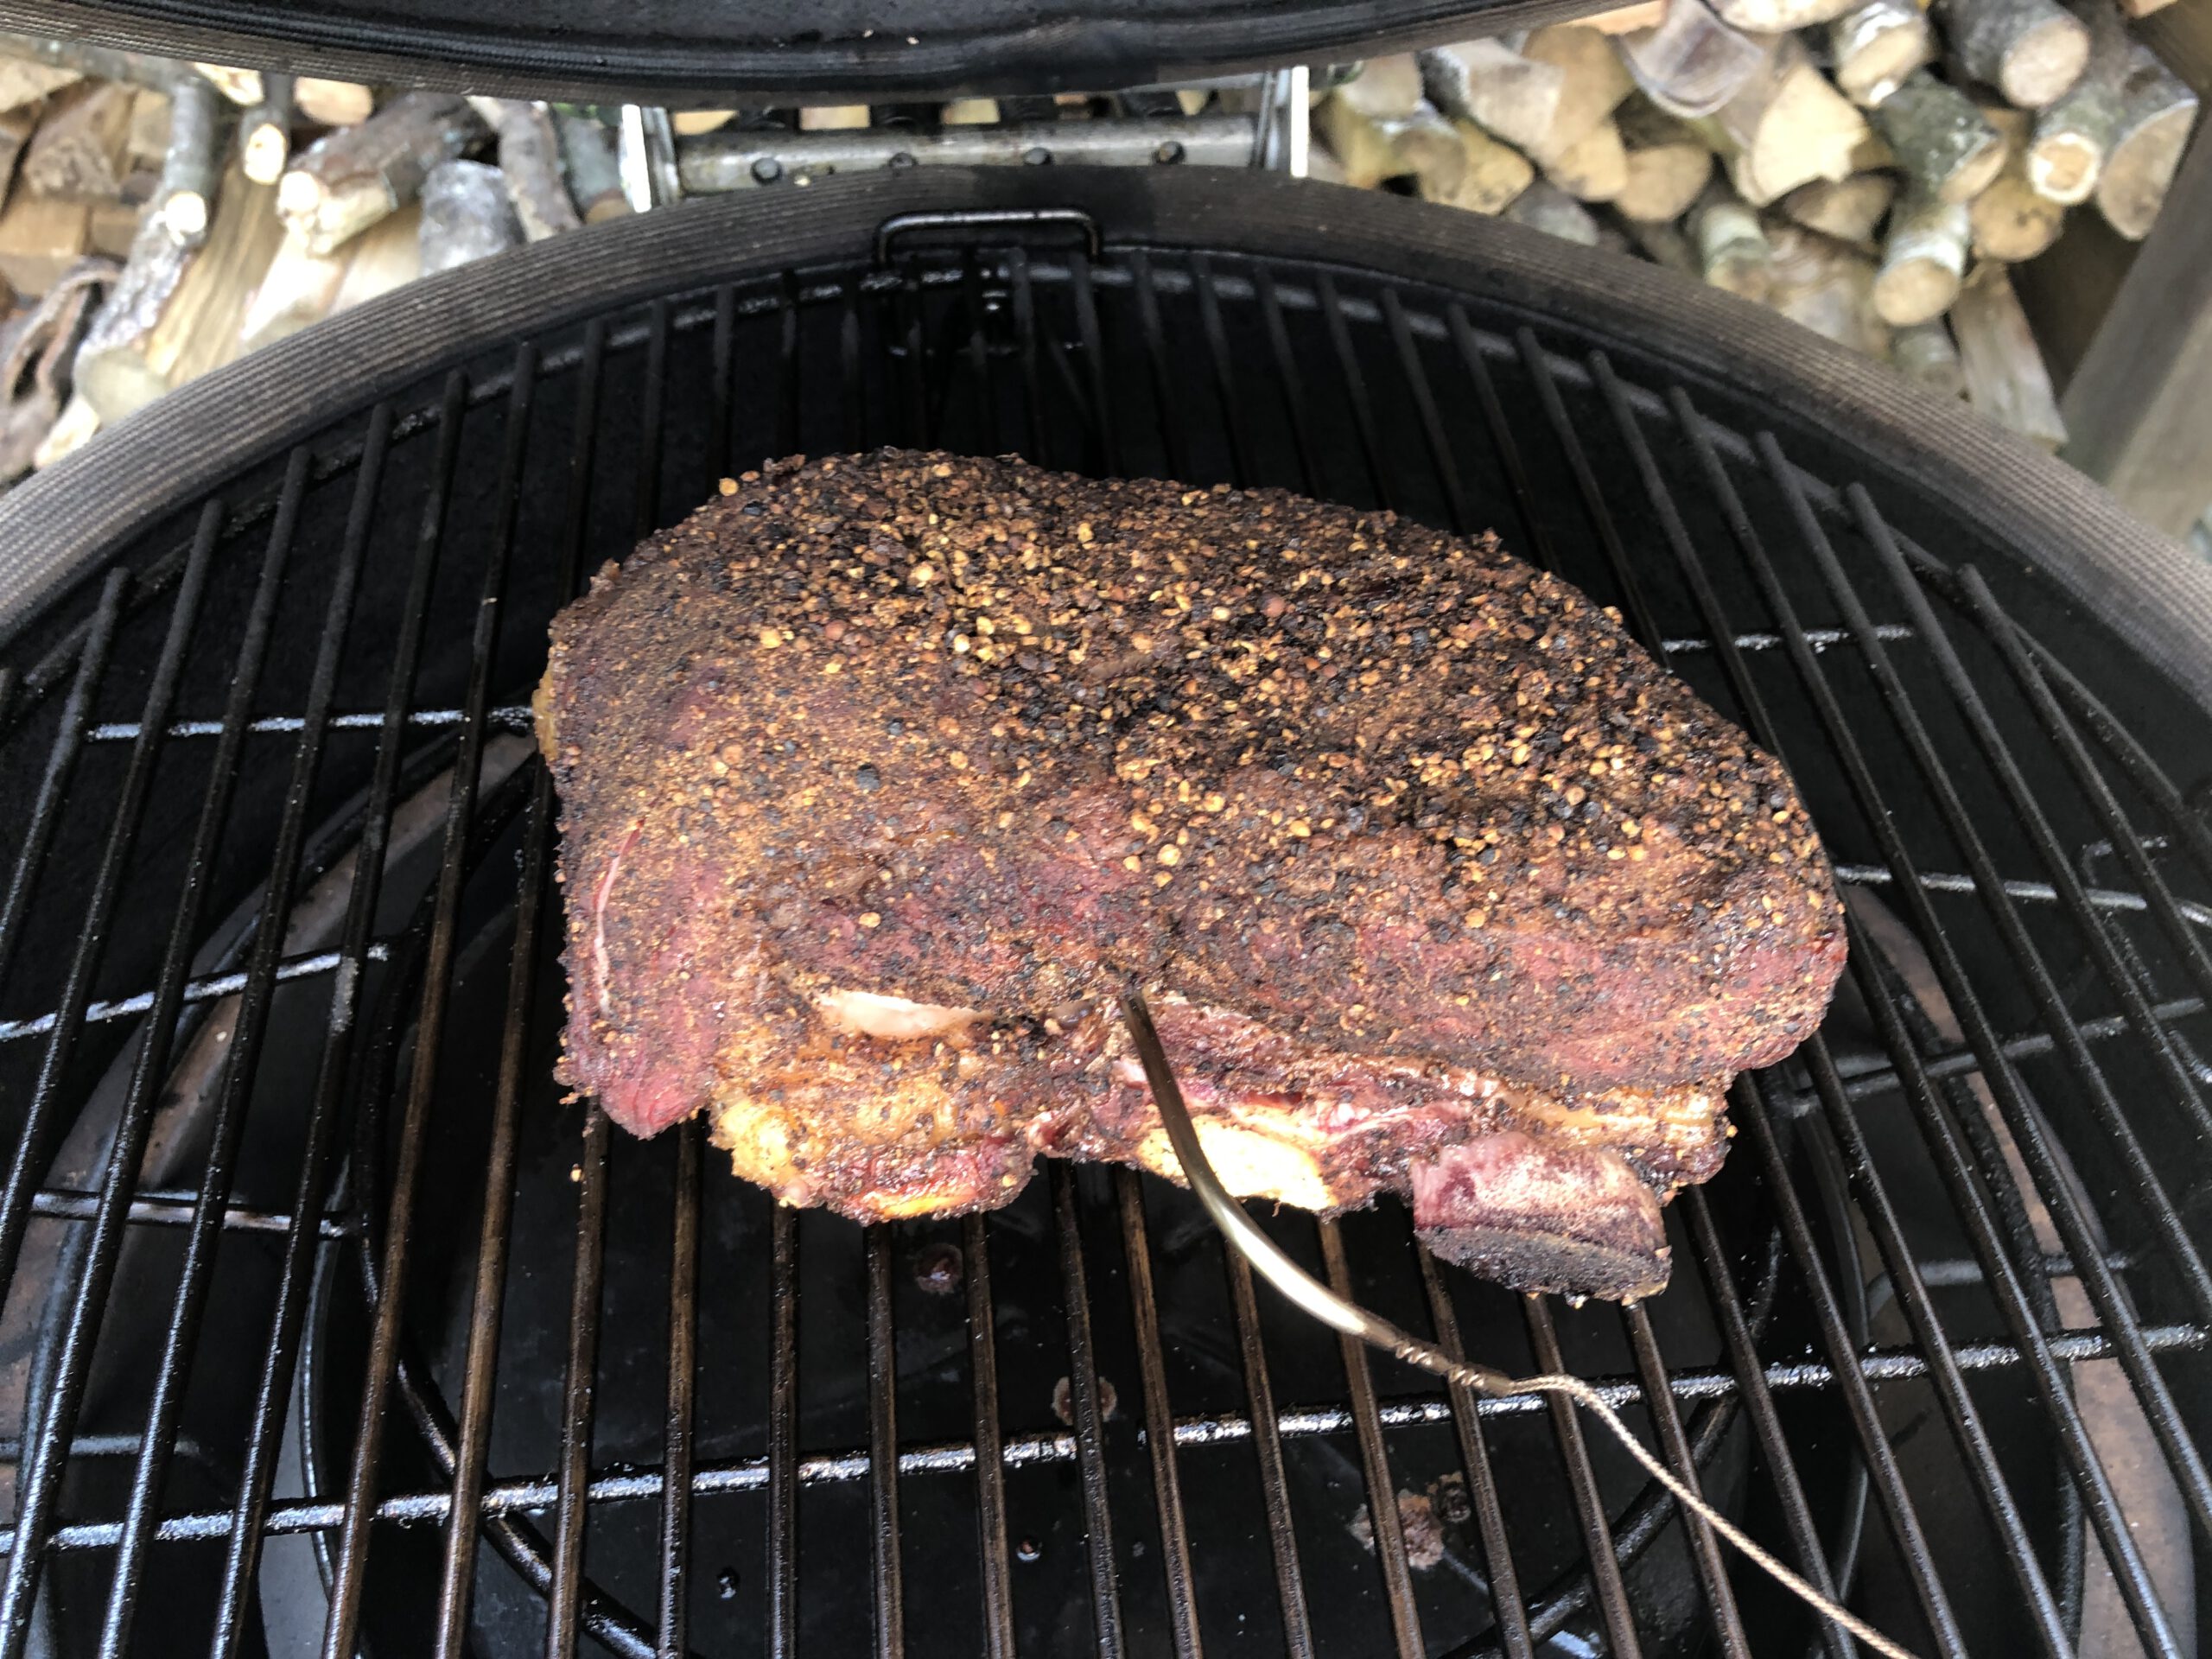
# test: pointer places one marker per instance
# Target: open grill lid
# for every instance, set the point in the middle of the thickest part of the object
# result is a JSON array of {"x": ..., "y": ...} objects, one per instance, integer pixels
[{"x": 674, "y": 51}]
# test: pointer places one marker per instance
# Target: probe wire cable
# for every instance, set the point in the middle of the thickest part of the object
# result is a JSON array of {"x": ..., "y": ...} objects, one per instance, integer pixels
[{"x": 1309, "y": 1294}]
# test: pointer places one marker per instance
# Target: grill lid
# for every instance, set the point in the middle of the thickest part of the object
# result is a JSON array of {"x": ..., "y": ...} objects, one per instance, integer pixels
[{"x": 677, "y": 50}]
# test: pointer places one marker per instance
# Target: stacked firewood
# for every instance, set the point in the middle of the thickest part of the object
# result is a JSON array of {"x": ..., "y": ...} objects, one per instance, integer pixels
[
  {"x": 161, "y": 218},
  {"x": 1857, "y": 165}
]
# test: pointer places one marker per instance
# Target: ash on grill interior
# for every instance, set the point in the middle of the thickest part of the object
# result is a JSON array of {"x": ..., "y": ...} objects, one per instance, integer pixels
[{"x": 877, "y": 774}]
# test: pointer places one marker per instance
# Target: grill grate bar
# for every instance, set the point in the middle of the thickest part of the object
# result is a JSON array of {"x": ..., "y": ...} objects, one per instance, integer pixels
[
  {"x": 1267, "y": 1447},
  {"x": 883, "y": 1451},
  {"x": 208, "y": 989},
  {"x": 1582, "y": 1483},
  {"x": 1355, "y": 395},
  {"x": 2105, "y": 1291},
  {"x": 1155, "y": 357},
  {"x": 990, "y": 1454},
  {"x": 724, "y": 1476},
  {"x": 205, "y": 1226},
  {"x": 782, "y": 1462},
  {"x": 171, "y": 1208},
  {"x": 1758, "y": 1399},
  {"x": 1936, "y": 1123},
  {"x": 1225, "y": 383},
  {"x": 54, "y": 782},
  {"x": 1635, "y": 607},
  {"x": 1667, "y": 1425},
  {"x": 350, "y": 1569},
  {"x": 1898, "y": 1508},
  {"x": 2030, "y": 814},
  {"x": 1441, "y": 465},
  {"x": 1090, "y": 1420},
  {"x": 480, "y": 1367},
  {"x": 579, "y": 1393},
  {"x": 1511, "y": 1612},
  {"x": 39, "y": 1482},
  {"x": 678, "y": 1451},
  {"x": 273, "y": 1388},
  {"x": 1158, "y": 1415},
  {"x": 1289, "y": 381},
  {"x": 1374, "y": 1459},
  {"x": 1948, "y": 1061},
  {"x": 1534, "y": 536}
]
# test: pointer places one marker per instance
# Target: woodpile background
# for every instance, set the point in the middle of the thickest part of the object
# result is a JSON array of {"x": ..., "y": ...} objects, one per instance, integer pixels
[
  {"x": 161, "y": 219},
  {"x": 1870, "y": 168}
]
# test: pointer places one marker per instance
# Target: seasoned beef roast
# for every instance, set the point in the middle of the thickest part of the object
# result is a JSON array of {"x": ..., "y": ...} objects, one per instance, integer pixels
[{"x": 879, "y": 773}]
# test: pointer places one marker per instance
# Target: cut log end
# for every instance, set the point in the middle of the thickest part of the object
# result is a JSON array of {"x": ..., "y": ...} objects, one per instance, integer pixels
[
  {"x": 184, "y": 213},
  {"x": 265, "y": 151},
  {"x": 2062, "y": 168},
  {"x": 2044, "y": 61}
]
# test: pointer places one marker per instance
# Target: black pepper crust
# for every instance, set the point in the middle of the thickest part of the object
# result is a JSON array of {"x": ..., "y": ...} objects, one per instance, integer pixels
[{"x": 974, "y": 734}]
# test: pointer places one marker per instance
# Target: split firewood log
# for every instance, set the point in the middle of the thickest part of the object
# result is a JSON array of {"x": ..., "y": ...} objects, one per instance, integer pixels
[
  {"x": 346, "y": 181},
  {"x": 1777, "y": 16},
  {"x": 1690, "y": 63},
  {"x": 2157, "y": 111},
  {"x": 1422, "y": 145},
  {"x": 242, "y": 87},
  {"x": 1592, "y": 83},
  {"x": 467, "y": 216},
  {"x": 1594, "y": 168},
  {"x": 1875, "y": 45},
  {"x": 1785, "y": 127},
  {"x": 333, "y": 102},
  {"x": 2012, "y": 220},
  {"x": 176, "y": 312},
  {"x": 1544, "y": 207},
  {"x": 266, "y": 131},
  {"x": 110, "y": 372},
  {"x": 41, "y": 240},
  {"x": 1923, "y": 260},
  {"x": 1663, "y": 243},
  {"x": 184, "y": 199},
  {"x": 1494, "y": 174},
  {"x": 388, "y": 255},
  {"x": 1486, "y": 82},
  {"x": 1733, "y": 251},
  {"x": 2029, "y": 50},
  {"x": 1385, "y": 89},
  {"x": 1924, "y": 352},
  {"x": 1667, "y": 164},
  {"x": 2006, "y": 375},
  {"x": 1625, "y": 20},
  {"x": 1850, "y": 210},
  {"x": 529, "y": 161},
  {"x": 1941, "y": 139},
  {"x": 594, "y": 171},
  {"x": 2073, "y": 134},
  {"x": 1825, "y": 286},
  {"x": 78, "y": 152}
]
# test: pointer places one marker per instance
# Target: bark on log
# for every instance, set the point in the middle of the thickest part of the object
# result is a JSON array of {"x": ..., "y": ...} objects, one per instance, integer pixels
[
  {"x": 2029, "y": 50},
  {"x": 1823, "y": 285},
  {"x": 529, "y": 161},
  {"x": 76, "y": 60},
  {"x": 2073, "y": 135},
  {"x": 1875, "y": 45},
  {"x": 1488, "y": 83},
  {"x": 1544, "y": 207},
  {"x": 1941, "y": 139},
  {"x": 111, "y": 370},
  {"x": 2006, "y": 377},
  {"x": 1494, "y": 174},
  {"x": 345, "y": 182},
  {"x": 175, "y": 313},
  {"x": 595, "y": 173},
  {"x": 2157, "y": 113},
  {"x": 1691, "y": 63},
  {"x": 1787, "y": 126},
  {"x": 1923, "y": 260},
  {"x": 266, "y": 131},
  {"x": 78, "y": 152},
  {"x": 465, "y": 216},
  {"x": 1667, "y": 164},
  {"x": 1850, "y": 210},
  {"x": 2011, "y": 221},
  {"x": 1924, "y": 352},
  {"x": 1733, "y": 251},
  {"x": 333, "y": 102},
  {"x": 185, "y": 198}
]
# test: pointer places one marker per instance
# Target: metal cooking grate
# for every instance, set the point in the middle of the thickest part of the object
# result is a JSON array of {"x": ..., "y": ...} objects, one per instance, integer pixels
[{"x": 354, "y": 1333}]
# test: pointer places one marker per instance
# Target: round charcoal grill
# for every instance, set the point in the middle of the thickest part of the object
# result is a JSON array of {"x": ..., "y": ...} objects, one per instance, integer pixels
[{"x": 333, "y": 1326}]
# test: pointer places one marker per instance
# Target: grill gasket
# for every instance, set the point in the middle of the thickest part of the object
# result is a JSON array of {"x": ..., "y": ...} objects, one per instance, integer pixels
[{"x": 1751, "y": 1373}]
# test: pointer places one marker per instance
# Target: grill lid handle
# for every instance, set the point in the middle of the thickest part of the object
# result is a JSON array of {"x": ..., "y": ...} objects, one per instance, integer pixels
[{"x": 964, "y": 221}]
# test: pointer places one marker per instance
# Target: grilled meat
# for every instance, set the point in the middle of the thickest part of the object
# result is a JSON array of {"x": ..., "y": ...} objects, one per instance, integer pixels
[{"x": 877, "y": 774}]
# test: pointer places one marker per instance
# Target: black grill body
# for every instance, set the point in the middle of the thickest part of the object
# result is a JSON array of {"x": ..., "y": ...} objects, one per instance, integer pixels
[{"x": 331, "y": 1323}]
